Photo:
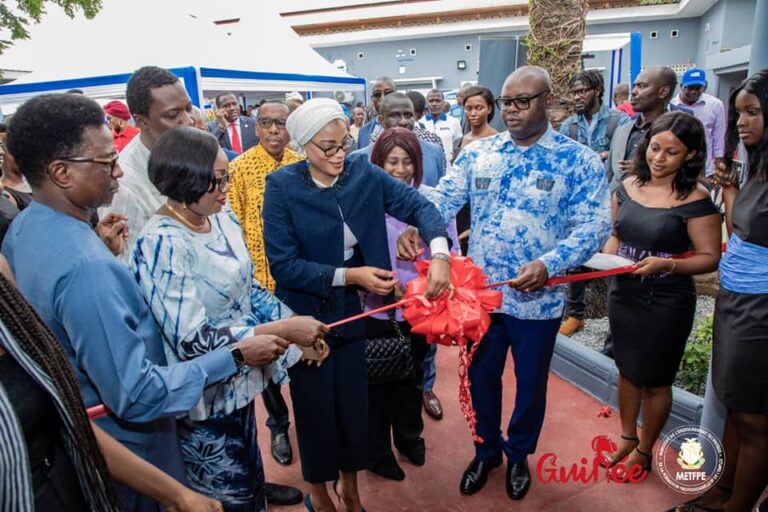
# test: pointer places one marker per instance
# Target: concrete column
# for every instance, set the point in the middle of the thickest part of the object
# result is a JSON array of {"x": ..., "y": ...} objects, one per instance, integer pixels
[{"x": 758, "y": 57}]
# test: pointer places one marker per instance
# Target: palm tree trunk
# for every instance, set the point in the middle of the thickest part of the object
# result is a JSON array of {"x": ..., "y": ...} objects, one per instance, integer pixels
[{"x": 557, "y": 29}]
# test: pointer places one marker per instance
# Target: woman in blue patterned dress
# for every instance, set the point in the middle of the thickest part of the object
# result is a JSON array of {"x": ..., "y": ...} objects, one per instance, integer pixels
[{"x": 193, "y": 266}]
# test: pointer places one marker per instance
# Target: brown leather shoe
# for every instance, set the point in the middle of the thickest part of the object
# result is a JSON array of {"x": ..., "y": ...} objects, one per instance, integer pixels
[
  {"x": 571, "y": 326},
  {"x": 432, "y": 405}
]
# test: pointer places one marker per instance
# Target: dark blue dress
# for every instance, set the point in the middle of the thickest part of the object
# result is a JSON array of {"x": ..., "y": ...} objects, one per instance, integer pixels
[{"x": 304, "y": 241}]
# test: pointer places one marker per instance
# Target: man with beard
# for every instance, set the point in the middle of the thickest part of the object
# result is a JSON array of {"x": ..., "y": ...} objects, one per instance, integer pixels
[
  {"x": 118, "y": 118},
  {"x": 593, "y": 125}
]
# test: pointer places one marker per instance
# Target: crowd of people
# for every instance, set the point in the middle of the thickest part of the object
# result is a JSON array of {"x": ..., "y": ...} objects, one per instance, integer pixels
[{"x": 174, "y": 268}]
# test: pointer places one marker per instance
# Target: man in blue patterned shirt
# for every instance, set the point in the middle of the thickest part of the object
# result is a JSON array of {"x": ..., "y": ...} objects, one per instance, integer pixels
[{"x": 540, "y": 205}]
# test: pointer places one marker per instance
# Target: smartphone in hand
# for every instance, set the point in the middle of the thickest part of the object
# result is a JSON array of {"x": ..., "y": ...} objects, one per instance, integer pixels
[{"x": 736, "y": 171}]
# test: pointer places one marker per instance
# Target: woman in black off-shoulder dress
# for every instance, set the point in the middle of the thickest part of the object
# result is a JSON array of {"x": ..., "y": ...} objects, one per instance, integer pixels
[{"x": 659, "y": 213}]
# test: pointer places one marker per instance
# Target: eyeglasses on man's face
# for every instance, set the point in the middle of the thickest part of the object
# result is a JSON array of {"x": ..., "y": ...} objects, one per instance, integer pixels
[
  {"x": 109, "y": 162},
  {"x": 379, "y": 94},
  {"x": 332, "y": 150},
  {"x": 520, "y": 102},
  {"x": 267, "y": 122}
]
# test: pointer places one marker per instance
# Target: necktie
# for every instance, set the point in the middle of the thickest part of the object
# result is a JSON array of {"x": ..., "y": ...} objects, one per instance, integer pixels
[{"x": 235, "y": 136}]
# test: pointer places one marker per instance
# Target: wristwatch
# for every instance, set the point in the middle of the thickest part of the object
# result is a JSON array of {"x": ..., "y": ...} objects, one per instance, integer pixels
[
  {"x": 441, "y": 256},
  {"x": 237, "y": 356}
]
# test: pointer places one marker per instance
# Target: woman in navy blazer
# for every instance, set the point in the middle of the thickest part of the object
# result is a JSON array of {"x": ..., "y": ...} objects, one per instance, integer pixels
[{"x": 326, "y": 240}]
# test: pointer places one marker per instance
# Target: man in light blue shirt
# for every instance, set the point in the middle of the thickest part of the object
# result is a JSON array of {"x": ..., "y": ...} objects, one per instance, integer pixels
[
  {"x": 593, "y": 125},
  {"x": 89, "y": 299},
  {"x": 540, "y": 206}
]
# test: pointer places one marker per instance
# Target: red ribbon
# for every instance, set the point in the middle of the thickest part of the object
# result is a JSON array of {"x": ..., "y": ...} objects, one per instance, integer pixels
[
  {"x": 458, "y": 317},
  {"x": 97, "y": 411}
]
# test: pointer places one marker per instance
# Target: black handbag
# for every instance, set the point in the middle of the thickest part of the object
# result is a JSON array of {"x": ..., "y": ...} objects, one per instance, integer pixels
[{"x": 389, "y": 355}]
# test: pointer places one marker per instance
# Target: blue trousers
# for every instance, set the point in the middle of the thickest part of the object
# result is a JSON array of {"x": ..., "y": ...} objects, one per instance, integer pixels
[{"x": 532, "y": 343}]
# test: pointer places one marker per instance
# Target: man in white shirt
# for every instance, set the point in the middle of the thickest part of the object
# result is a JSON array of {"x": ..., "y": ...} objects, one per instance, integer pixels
[
  {"x": 158, "y": 102},
  {"x": 443, "y": 125}
]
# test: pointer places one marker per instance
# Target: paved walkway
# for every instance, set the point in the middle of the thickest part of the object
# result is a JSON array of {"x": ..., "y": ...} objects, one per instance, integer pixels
[{"x": 572, "y": 422}]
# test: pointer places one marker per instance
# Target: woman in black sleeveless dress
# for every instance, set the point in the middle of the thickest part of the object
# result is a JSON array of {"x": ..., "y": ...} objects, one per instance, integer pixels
[
  {"x": 740, "y": 335},
  {"x": 659, "y": 213}
]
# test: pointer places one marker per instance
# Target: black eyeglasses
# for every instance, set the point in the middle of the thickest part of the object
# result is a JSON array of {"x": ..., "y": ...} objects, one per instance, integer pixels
[
  {"x": 267, "y": 122},
  {"x": 379, "y": 94},
  {"x": 220, "y": 183},
  {"x": 520, "y": 102},
  {"x": 331, "y": 151},
  {"x": 110, "y": 161}
]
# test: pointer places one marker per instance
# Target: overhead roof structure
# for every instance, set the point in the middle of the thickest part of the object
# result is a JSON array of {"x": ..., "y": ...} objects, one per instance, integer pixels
[
  {"x": 340, "y": 22},
  {"x": 94, "y": 55}
]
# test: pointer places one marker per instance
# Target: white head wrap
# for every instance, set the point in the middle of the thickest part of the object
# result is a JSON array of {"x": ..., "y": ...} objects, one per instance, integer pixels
[{"x": 311, "y": 117}]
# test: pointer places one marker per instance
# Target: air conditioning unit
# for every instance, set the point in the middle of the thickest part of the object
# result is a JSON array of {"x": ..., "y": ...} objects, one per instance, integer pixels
[{"x": 344, "y": 97}]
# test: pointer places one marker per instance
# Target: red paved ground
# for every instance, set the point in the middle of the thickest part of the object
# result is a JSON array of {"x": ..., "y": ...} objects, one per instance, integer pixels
[{"x": 570, "y": 425}]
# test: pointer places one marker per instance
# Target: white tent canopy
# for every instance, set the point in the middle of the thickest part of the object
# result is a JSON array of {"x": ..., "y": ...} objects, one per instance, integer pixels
[
  {"x": 604, "y": 42},
  {"x": 99, "y": 55}
]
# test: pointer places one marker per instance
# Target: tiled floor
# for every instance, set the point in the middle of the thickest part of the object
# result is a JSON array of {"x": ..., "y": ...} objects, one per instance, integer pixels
[{"x": 571, "y": 423}]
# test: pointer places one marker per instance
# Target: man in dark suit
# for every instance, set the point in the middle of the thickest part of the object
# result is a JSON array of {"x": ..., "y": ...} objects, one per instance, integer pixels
[
  {"x": 397, "y": 111},
  {"x": 233, "y": 131},
  {"x": 381, "y": 87}
]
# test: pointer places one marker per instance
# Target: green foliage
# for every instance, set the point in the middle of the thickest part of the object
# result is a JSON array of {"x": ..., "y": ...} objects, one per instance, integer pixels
[
  {"x": 15, "y": 20},
  {"x": 692, "y": 375}
]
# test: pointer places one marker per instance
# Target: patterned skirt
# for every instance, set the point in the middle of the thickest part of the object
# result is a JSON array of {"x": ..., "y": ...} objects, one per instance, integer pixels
[{"x": 222, "y": 459}]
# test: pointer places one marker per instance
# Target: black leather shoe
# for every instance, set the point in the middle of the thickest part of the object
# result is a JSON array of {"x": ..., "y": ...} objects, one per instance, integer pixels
[
  {"x": 281, "y": 448},
  {"x": 518, "y": 479},
  {"x": 476, "y": 474},
  {"x": 282, "y": 495},
  {"x": 389, "y": 468},
  {"x": 416, "y": 453}
]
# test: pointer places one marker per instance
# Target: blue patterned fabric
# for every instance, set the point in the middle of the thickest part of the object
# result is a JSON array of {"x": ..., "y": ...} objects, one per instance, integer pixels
[
  {"x": 549, "y": 202},
  {"x": 201, "y": 291},
  {"x": 222, "y": 453}
]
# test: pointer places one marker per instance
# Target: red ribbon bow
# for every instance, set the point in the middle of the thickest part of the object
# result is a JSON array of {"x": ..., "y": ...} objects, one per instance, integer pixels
[{"x": 459, "y": 318}]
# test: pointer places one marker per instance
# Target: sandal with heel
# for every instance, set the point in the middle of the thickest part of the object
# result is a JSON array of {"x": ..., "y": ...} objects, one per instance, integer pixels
[
  {"x": 612, "y": 461},
  {"x": 336, "y": 492}
]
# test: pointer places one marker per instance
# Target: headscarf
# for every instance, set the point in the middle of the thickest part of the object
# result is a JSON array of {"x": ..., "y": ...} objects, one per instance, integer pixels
[
  {"x": 311, "y": 117},
  {"x": 117, "y": 109}
]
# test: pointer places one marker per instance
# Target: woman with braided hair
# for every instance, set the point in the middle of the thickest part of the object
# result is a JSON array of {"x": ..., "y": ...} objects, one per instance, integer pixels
[{"x": 53, "y": 457}]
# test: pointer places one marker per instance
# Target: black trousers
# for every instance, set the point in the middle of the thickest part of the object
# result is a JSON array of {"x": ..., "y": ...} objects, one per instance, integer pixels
[
  {"x": 277, "y": 410},
  {"x": 394, "y": 408}
]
